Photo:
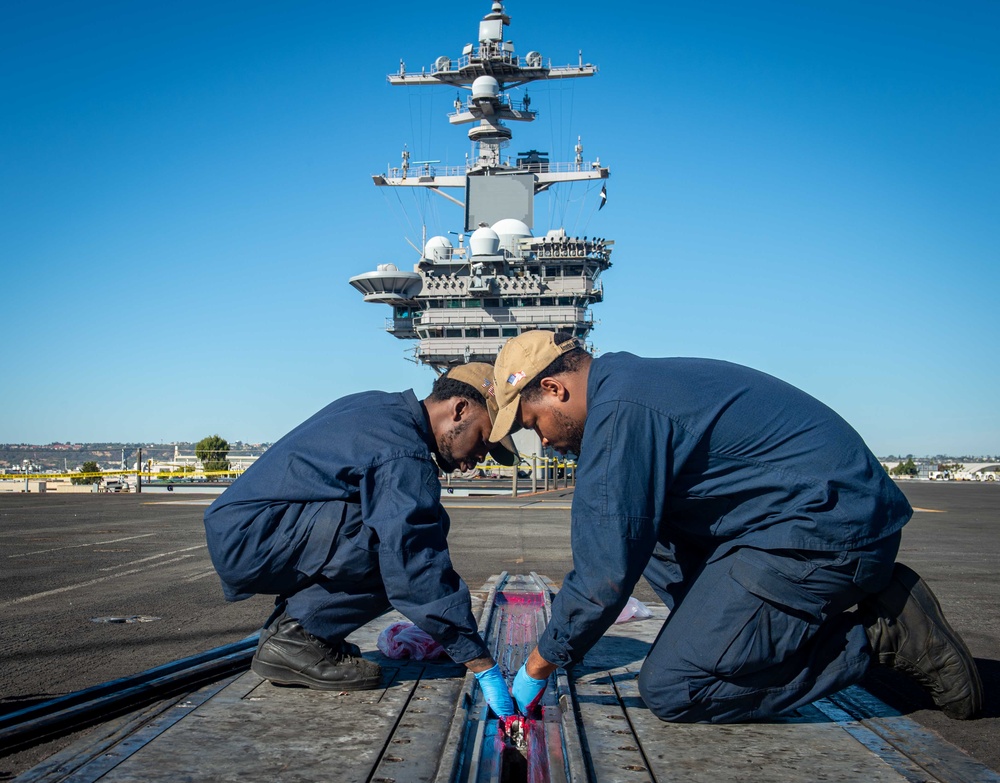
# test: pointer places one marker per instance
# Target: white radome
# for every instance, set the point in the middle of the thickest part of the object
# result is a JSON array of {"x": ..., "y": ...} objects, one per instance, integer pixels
[
  {"x": 510, "y": 231},
  {"x": 484, "y": 242},
  {"x": 438, "y": 249},
  {"x": 485, "y": 87}
]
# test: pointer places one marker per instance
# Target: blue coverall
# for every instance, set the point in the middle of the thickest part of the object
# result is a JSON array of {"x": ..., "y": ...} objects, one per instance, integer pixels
[
  {"x": 756, "y": 513},
  {"x": 342, "y": 519}
]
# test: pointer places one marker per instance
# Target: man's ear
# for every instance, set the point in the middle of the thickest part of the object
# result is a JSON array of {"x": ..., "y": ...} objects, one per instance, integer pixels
[
  {"x": 459, "y": 408},
  {"x": 554, "y": 387}
]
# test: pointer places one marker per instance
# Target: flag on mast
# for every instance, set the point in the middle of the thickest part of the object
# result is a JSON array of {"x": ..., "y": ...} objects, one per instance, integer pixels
[{"x": 604, "y": 197}]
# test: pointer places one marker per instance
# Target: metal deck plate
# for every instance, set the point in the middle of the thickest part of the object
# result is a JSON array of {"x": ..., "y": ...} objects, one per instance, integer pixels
[{"x": 252, "y": 731}]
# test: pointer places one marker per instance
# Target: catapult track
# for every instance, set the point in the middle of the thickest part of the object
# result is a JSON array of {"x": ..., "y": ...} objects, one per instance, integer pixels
[
  {"x": 479, "y": 750},
  {"x": 429, "y": 722}
]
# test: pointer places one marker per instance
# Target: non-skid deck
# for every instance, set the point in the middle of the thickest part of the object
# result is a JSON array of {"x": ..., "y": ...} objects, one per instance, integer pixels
[{"x": 247, "y": 730}]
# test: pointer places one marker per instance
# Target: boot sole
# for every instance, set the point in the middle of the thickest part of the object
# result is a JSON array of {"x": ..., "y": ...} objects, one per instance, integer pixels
[
  {"x": 920, "y": 592},
  {"x": 280, "y": 675}
]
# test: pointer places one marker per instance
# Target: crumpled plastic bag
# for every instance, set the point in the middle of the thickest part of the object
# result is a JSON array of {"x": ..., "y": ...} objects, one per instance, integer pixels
[
  {"x": 405, "y": 640},
  {"x": 634, "y": 610}
]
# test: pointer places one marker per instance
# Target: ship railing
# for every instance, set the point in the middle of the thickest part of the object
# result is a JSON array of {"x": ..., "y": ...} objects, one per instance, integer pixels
[
  {"x": 550, "y": 285},
  {"x": 400, "y": 324},
  {"x": 495, "y": 56},
  {"x": 498, "y": 55},
  {"x": 445, "y": 350},
  {"x": 505, "y": 102},
  {"x": 445, "y": 318},
  {"x": 426, "y": 170},
  {"x": 534, "y": 167},
  {"x": 554, "y": 286},
  {"x": 555, "y": 167}
]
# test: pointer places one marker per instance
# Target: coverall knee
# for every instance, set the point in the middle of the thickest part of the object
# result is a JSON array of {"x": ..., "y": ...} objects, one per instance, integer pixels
[
  {"x": 348, "y": 591},
  {"x": 760, "y": 633}
]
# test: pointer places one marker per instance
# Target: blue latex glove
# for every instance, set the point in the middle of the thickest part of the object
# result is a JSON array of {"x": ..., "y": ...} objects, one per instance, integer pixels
[
  {"x": 494, "y": 688},
  {"x": 527, "y": 690}
]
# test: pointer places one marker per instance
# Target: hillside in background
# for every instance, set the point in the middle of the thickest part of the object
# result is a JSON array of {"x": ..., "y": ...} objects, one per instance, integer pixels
[{"x": 70, "y": 456}]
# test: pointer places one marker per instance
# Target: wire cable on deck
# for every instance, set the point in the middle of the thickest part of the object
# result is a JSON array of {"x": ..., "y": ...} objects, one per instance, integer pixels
[{"x": 74, "y": 711}]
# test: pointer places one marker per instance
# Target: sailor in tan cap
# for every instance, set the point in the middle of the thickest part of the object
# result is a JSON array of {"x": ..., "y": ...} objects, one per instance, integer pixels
[{"x": 754, "y": 511}]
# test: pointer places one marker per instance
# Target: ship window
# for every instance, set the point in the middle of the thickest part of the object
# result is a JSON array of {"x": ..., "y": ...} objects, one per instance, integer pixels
[
  {"x": 509, "y": 331},
  {"x": 492, "y": 302},
  {"x": 452, "y": 332},
  {"x": 434, "y": 304},
  {"x": 491, "y": 332},
  {"x": 454, "y": 303},
  {"x": 547, "y": 302},
  {"x": 566, "y": 301},
  {"x": 472, "y": 333},
  {"x": 473, "y": 302},
  {"x": 509, "y": 302},
  {"x": 402, "y": 312}
]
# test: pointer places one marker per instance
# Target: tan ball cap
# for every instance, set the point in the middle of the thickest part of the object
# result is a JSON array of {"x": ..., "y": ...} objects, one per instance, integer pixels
[
  {"x": 479, "y": 375},
  {"x": 519, "y": 361}
]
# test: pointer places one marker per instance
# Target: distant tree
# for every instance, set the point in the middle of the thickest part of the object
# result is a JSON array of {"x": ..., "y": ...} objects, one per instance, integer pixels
[
  {"x": 212, "y": 452},
  {"x": 87, "y": 467},
  {"x": 908, "y": 468},
  {"x": 952, "y": 467}
]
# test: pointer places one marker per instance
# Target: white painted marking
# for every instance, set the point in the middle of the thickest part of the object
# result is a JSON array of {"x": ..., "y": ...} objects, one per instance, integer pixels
[
  {"x": 78, "y": 546},
  {"x": 202, "y": 575},
  {"x": 530, "y": 506},
  {"x": 67, "y": 588},
  {"x": 151, "y": 557},
  {"x": 179, "y": 502}
]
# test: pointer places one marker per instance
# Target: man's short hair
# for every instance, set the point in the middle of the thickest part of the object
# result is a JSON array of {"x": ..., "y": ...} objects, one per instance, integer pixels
[{"x": 445, "y": 388}]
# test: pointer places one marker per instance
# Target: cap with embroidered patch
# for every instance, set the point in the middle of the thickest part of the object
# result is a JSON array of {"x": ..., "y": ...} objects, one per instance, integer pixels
[
  {"x": 519, "y": 361},
  {"x": 479, "y": 375}
]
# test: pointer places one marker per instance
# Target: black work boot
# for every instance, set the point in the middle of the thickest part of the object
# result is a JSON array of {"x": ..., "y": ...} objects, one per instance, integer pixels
[
  {"x": 908, "y": 633},
  {"x": 287, "y": 654}
]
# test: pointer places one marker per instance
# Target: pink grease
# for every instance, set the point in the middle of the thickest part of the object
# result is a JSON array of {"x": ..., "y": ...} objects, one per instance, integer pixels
[
  {"x": 534, "y": 752},
  {"x": 537, "y": 753},
  {"x": 510, "y": 724},
  {"x": 520, "y": 599}
]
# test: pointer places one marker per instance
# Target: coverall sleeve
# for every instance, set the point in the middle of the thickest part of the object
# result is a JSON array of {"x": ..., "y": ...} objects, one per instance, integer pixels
[
  {"x": 630, "y": 456},
  {"x": 400, "y": 501}
]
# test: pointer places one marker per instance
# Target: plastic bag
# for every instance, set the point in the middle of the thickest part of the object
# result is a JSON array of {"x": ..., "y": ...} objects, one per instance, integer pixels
[
  {"x": 634, "y": 610},
  {"x": 405, "y": 640}
]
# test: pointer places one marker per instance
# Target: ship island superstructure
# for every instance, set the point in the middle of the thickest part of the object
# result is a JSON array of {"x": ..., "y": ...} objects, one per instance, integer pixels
[{"x": 462, "y": 302}]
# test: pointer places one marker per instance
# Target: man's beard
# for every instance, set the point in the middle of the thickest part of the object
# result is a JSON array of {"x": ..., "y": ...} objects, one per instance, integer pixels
[
  {"x": 445, "y": 456},
  {"x": 571, "y": 431}
]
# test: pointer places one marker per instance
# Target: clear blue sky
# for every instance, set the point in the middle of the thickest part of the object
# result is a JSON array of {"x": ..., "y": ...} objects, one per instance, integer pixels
[{"x": 811, "y": 188}]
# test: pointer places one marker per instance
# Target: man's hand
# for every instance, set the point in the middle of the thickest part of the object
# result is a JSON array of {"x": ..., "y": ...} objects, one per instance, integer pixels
[
  {"x": 527, "y": 690},
  {"x": 530, "y": 681},
  {"x": 494, "y": 688}
]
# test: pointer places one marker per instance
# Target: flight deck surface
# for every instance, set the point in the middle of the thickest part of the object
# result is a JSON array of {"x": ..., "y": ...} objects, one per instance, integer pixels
[{"x": 245, "y": 728}]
